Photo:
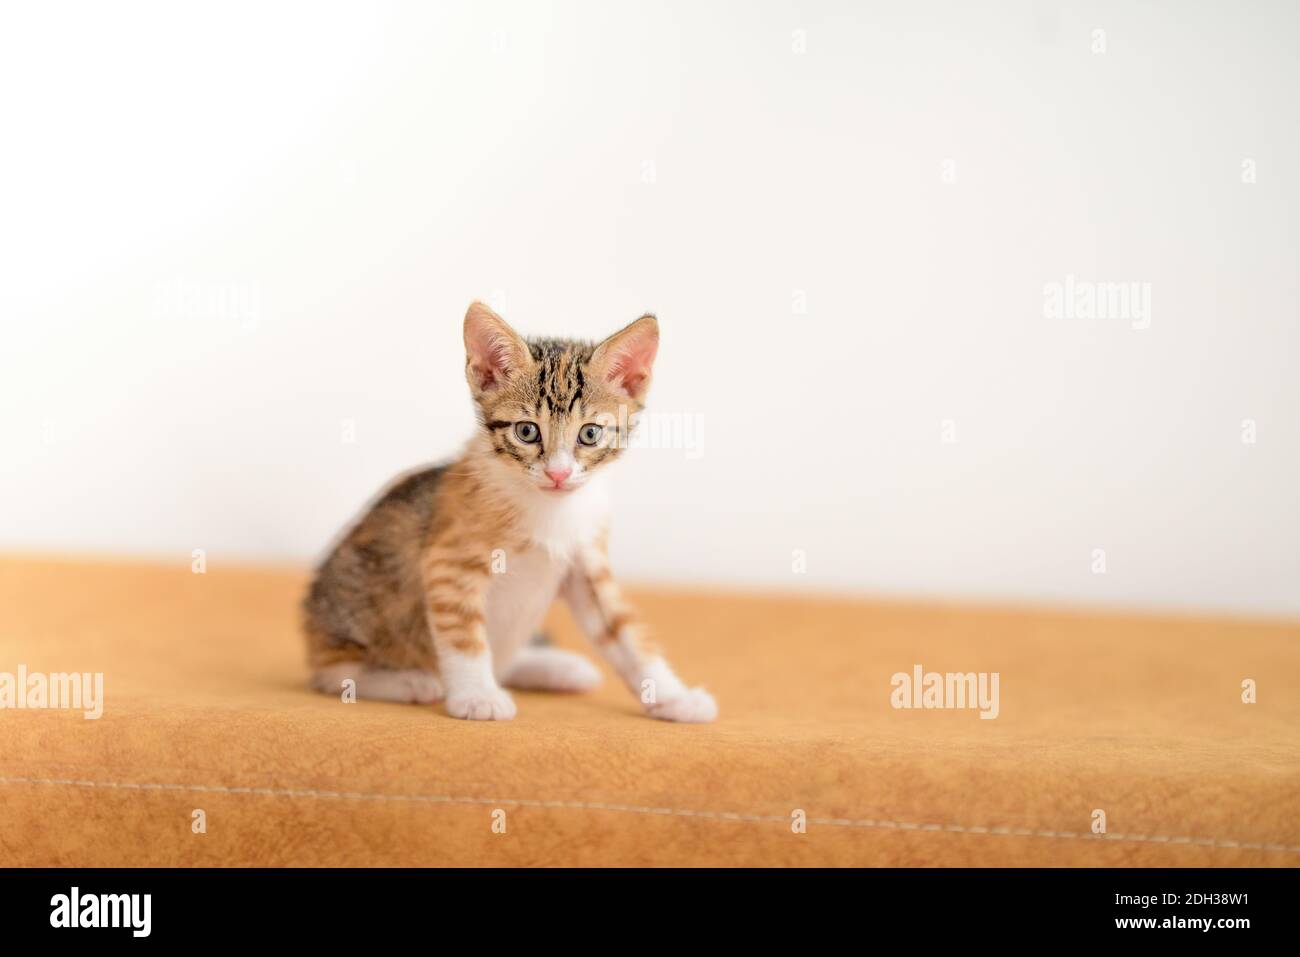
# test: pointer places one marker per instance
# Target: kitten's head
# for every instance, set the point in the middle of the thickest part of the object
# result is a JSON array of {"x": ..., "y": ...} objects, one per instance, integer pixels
[{"x": 556, "y": 410}]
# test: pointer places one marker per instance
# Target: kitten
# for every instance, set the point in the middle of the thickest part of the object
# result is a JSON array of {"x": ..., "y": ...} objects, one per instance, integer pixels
[{"x": 438, "y": 589}]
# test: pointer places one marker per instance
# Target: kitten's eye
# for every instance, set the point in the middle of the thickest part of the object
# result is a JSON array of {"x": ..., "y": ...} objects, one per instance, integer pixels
[
  {"x": 527, "y": 432},
  {"x": 590, "y": 434}
]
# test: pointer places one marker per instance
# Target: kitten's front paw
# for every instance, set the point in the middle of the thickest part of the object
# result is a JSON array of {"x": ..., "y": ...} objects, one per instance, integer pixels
[
  {"x": 481, "y": 704},
  {"x": 694, "y": 705}
]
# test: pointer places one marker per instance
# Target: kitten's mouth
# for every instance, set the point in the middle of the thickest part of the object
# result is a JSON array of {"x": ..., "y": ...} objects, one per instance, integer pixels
[{"x": 558, "y": 488}]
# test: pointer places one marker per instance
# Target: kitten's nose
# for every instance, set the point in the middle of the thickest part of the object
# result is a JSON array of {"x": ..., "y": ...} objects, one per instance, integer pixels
[{"x": 558, "y": 475}]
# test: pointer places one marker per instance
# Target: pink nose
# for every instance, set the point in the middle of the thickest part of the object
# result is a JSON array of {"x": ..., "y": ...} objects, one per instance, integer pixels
[{"x": 558, "y": 475}]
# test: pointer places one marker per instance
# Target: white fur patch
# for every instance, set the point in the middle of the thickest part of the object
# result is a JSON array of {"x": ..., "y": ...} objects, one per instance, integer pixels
[
  {"x": 551, "y": 669},
  {"x": 692, "y": 706},
  {"x": 558, "y": 524},
  {"x": 517, "y": 600},
  {"x": 563, "y": 522},
  {"x": 379, "y": 684}
]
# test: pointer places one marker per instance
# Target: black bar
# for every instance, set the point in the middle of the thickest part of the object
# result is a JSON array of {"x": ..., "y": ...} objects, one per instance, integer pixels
[{"x": 334, "y": 907}]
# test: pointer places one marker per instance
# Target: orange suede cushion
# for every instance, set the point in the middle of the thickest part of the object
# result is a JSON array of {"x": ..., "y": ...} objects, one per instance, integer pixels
[{"x": 207, "y": 708}]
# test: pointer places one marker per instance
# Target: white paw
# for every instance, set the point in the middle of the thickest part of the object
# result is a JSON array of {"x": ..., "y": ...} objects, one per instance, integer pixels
[
  {"x": 694, "y": 705},
  {"x": 425, "y": 688},
  {"x": 577, "y": 674},
  {"x": 481, "y": 704},
  {"x": 551, "y": 669}
]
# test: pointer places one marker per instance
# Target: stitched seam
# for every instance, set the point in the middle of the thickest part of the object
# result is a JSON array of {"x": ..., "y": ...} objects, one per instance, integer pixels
[{"x": 677, "y": 812}]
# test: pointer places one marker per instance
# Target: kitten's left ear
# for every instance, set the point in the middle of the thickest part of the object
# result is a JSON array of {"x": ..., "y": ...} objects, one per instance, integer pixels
[{"x": 624, "y": 359}]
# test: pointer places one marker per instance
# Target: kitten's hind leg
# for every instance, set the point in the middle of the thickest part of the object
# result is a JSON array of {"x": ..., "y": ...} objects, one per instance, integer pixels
[
  {"x": 541, "y": 668},
  {"x": 410, "y": 685}
]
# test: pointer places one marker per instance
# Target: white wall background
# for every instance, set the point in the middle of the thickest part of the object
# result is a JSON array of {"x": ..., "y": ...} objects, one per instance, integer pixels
[{"x": 224, "y": 230}]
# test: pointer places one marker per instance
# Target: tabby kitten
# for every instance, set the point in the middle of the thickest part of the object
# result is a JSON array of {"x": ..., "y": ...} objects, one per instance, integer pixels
[{"x": 438, "y": 589}]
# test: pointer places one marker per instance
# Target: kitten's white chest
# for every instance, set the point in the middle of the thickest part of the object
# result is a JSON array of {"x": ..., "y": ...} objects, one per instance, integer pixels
[
  {"x": 517, "y": 600},
  {"x": 526, "y": 581}
]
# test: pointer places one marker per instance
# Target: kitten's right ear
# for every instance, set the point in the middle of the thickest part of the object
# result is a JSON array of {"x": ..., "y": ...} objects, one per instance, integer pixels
[{"x": 493, "y": 351}]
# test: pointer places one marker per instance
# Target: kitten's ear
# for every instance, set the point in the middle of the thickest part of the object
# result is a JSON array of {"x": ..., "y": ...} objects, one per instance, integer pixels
[
  {"x": 624, "y": 359},
  {"x": 493, "y": 351}
]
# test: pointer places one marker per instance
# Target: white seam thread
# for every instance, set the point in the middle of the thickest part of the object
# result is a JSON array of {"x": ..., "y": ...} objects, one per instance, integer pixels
[{"x": 681, "y": 812}]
